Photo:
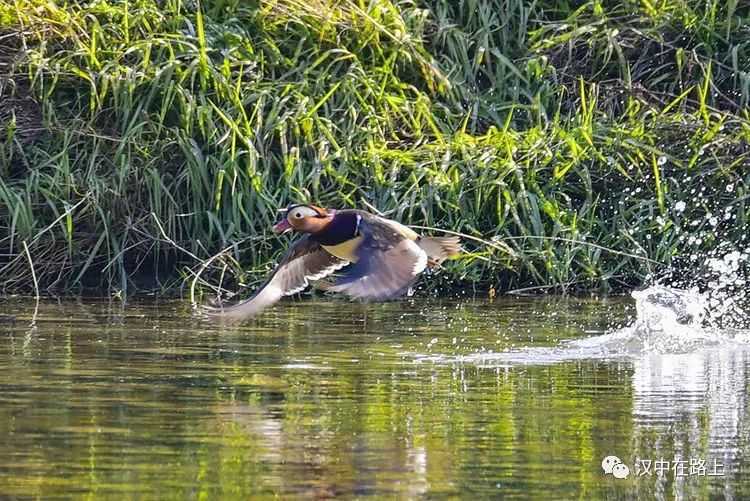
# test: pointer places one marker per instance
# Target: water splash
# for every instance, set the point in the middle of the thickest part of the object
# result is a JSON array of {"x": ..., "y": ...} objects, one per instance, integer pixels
[
  {"x": 709, "y": 308},
  {"x": 662, "y": 308},
  {"x": 668, "y": 321},
  {"x": 722, "y": 277},
  {"x": 727, "y": 295}
]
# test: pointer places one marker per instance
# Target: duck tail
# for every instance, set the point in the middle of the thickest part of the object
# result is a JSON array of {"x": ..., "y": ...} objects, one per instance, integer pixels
[{"x": 438, "y": 249}]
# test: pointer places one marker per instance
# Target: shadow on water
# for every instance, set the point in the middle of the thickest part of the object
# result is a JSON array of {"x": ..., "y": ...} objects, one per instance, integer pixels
[{"x": 515, "y": 398}]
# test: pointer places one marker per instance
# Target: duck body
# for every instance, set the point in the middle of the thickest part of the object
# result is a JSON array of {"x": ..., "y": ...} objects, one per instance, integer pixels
[
  {"x": 342, "y": 236},
  {"x": 379, "y": 258}
]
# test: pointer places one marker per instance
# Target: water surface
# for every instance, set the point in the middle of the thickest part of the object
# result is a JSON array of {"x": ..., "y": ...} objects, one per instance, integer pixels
[{"x": 315, "y": 399}]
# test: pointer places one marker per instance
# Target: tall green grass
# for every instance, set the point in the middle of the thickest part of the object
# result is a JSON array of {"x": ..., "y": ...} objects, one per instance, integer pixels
[{"x": 140, "y": 138}]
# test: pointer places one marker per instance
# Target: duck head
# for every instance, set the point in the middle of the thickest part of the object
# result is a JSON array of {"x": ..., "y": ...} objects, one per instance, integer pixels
[{"x": 304, "y": 218}]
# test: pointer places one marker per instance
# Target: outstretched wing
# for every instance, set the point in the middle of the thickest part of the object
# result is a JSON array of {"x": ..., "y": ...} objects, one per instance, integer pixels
[
  {"x": 306, "y": 260},
  {"x": 388, "y": 264}
]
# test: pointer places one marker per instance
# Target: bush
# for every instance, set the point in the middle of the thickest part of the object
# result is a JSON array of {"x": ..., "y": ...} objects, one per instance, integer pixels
[{"x": 139, "y": 138}]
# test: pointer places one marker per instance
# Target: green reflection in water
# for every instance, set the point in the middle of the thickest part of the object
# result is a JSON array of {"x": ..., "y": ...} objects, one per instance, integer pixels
[{"x": 322, "y": 399}]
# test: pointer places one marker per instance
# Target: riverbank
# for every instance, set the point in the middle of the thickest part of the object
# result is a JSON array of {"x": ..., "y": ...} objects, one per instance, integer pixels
[{"x": 138, "y": 140}]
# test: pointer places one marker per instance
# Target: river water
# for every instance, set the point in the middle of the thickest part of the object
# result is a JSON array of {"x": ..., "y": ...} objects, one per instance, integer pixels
[{"x": 514, "y": 398}]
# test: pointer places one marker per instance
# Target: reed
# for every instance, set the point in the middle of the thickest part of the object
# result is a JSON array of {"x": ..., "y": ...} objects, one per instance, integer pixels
[{"x": 599, "y": 141}]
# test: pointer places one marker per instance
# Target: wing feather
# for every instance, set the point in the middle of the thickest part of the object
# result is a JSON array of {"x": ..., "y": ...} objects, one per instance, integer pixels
[
  {"x": 388, "y": 264},
  {"x": 306, "y": 260}
]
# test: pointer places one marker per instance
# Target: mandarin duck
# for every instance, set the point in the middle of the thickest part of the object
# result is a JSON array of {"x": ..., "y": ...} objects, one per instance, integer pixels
[{"x": 380, "y": 258}]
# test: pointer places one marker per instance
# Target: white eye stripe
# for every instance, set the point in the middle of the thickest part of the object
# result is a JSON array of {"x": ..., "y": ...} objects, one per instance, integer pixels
[{"x": 301, "y": 212}]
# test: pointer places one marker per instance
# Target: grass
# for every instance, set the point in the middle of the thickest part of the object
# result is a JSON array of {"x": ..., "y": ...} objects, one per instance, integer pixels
[{"x": 139, "y": 139}]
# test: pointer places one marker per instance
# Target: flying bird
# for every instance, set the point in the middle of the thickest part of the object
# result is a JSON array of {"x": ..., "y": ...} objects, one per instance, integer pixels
[{"x": 379, "y": 258}]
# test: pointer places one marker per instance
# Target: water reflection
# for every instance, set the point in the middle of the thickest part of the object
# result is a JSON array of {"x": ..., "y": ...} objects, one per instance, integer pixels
[
  {"x": 692, "y": 406},
  {"x": 324, "y": 399},
  {"x": 689, "y": 398}
]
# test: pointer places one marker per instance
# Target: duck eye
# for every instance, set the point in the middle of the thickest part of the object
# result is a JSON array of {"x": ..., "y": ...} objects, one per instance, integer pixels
[{"x": 298, "y": 215}]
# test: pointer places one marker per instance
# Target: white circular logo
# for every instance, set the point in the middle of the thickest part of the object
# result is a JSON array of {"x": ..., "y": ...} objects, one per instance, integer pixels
[
  {"x": 609, "y": 462},
  {"x": 620, "y": 470}
]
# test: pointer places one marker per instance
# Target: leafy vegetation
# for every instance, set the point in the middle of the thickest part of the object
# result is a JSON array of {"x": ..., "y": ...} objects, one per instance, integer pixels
[{"x": 597, "y": 140}]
